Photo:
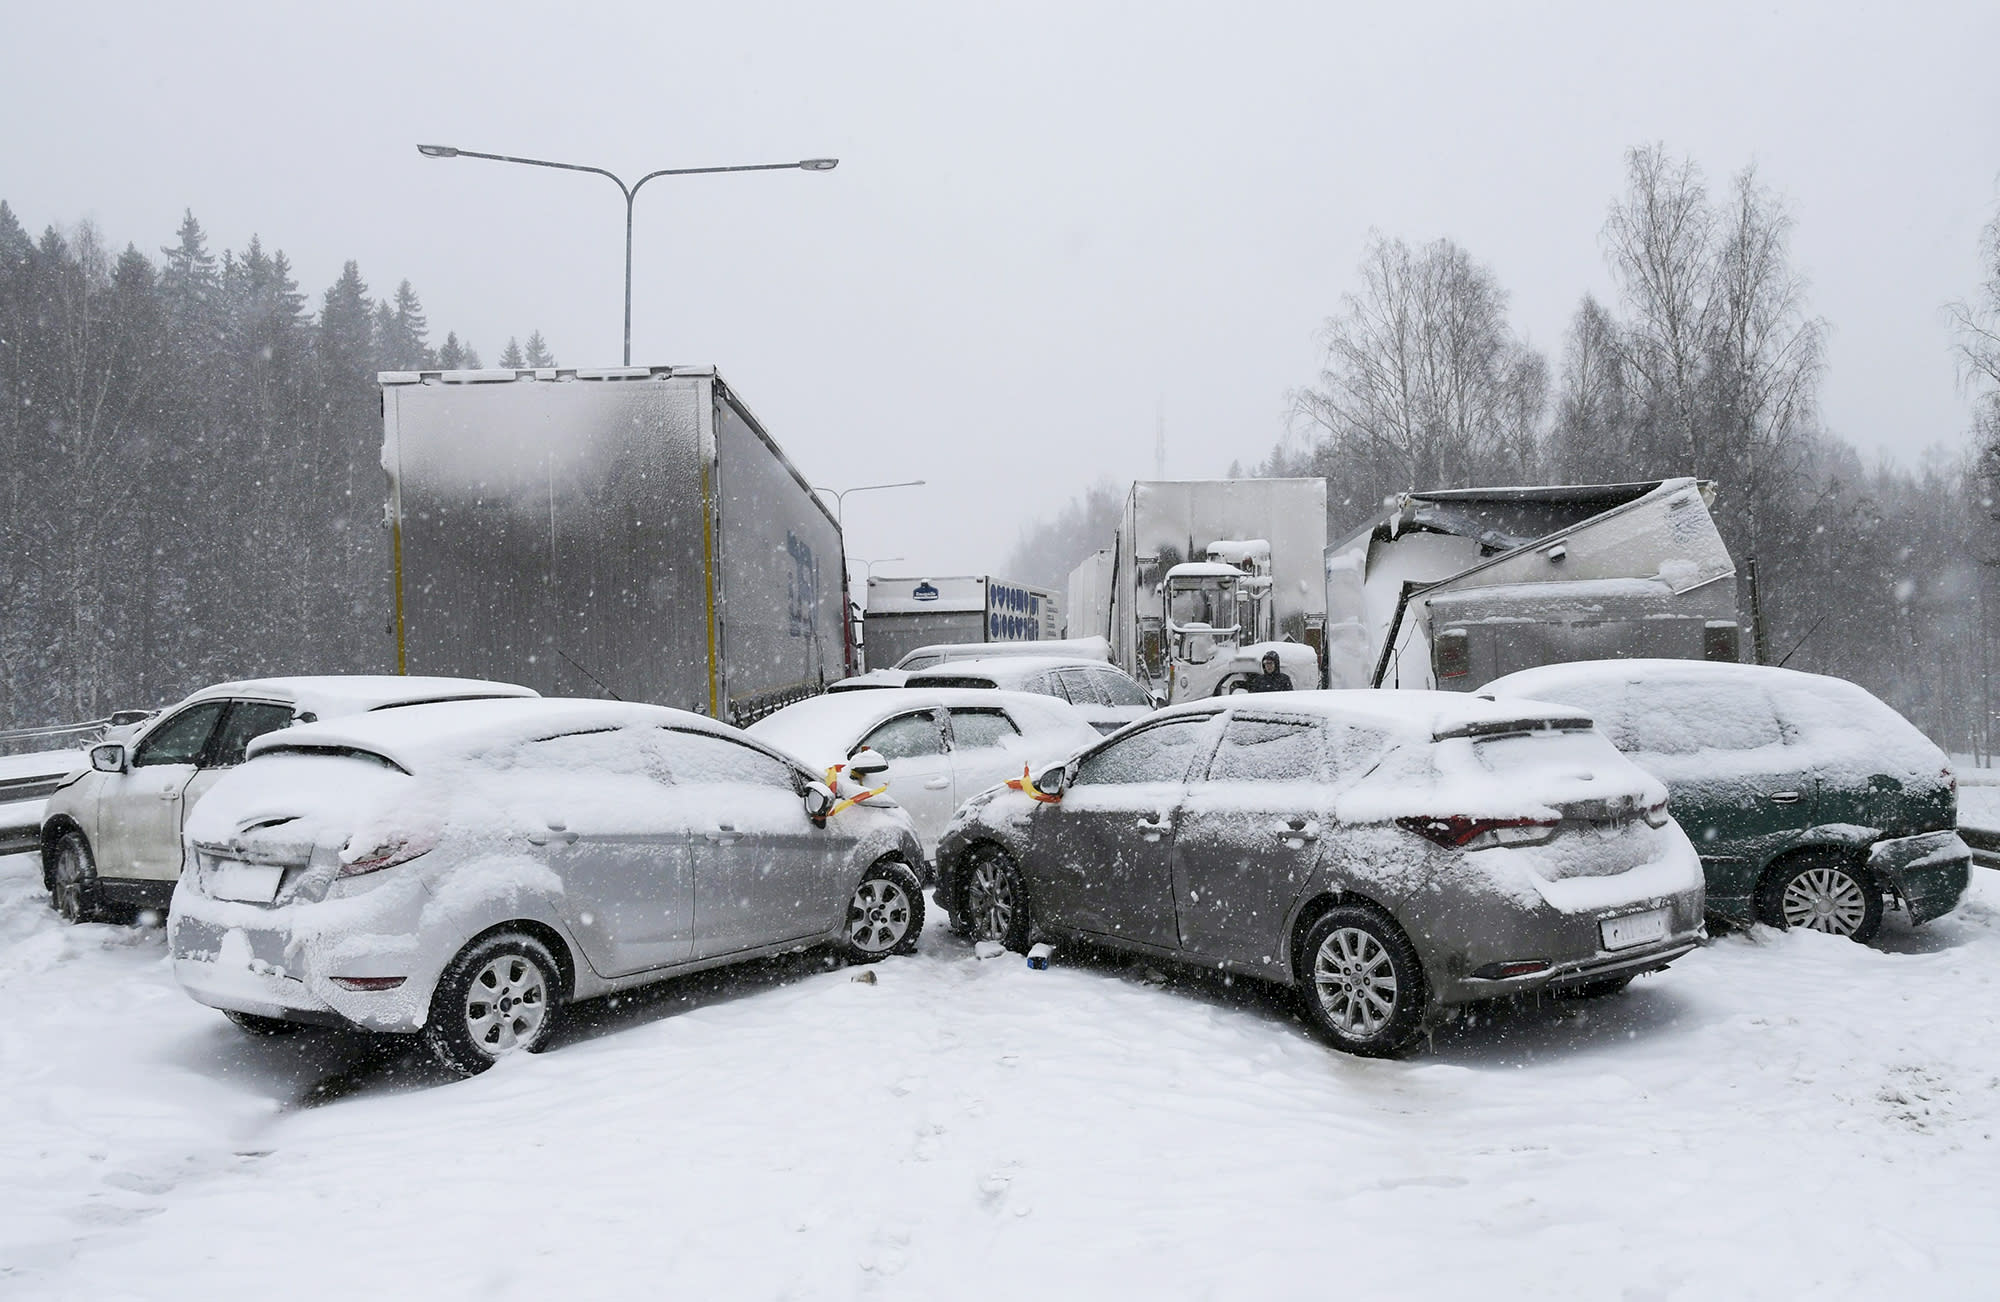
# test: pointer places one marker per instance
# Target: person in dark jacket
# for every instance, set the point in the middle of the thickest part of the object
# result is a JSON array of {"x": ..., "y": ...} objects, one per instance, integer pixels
[{"x": 1271, "y": 680}]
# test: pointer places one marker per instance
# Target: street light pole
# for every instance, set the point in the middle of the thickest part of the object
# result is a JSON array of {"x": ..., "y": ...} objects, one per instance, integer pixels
[
  {"x": 840, "y": 496},
  {"x": 631, "y": 192}
]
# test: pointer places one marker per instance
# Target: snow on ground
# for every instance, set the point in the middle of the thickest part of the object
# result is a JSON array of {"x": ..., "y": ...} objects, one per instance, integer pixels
[{"x": 1781, "y": 1114}]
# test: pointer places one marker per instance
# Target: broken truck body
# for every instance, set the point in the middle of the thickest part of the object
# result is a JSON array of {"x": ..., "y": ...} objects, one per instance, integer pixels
[
  {"x": 630, "y": 532},
  {"x": 1449, "y": 589}
]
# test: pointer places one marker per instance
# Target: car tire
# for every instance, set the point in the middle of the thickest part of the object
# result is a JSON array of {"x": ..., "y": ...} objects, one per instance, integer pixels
[
  {"x": 1361, "y": 983},
  {"x": 500, "y": 996},
  {"x": 993, "y": 896},
  {"x": 885, "y": 915},
  {"x": 1822, "y": 892},
  {"x": 72, "y": 879},
  {"x": 254, "y": 1024}
]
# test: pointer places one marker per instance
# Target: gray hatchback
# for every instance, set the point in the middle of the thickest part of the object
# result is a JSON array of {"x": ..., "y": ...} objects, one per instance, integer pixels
[{"x": 1388, "y": 854}]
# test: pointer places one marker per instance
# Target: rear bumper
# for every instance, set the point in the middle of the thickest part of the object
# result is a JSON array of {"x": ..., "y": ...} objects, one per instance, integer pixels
[
  {"x": 1929, "y": 873},
  {"x": 1598, "y": 967}
]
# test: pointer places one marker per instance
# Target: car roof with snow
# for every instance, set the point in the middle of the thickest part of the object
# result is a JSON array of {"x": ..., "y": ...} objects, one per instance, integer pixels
[
  {"x": 1407, "y": 714},
  {"x": 1088, "y": 648},
  {"x": 812, "y": 728},
  {"x": 329, "y": 694},
  {"x": 1587, "y": 673},
  {"x": 1003, "y": 670},
  {"x": 422, "y": 734}
]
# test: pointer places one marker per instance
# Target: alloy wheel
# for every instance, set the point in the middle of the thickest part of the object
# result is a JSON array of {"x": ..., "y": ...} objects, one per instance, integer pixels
[
  {"x": 507, "y": 1004},
  {"x": 1824, "y": 899},
  {"x": 990, "y": 898},
  {"x": 878, "y": 916},
  {"x": 1355, "y": 980}
]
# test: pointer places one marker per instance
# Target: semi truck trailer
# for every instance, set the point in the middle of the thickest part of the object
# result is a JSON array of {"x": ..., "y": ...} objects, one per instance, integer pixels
[{"x": 631, "y": 532}]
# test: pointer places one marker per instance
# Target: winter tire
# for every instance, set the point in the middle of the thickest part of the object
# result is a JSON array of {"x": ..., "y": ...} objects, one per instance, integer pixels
[
  {"x": 253, "y": 1024},
  {"x": 885, "y": 915},
  {"x": 1361, "y": 982},
  {"x": 994, "y": 898},
  {"x": 1822, "y": 893},
  {"x": 72, "y": 879},
  {"x": 498, "y": 997}
]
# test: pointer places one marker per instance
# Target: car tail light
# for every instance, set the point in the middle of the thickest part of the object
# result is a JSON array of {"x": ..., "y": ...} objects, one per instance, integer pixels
[
  {"x": 391, "y": 851},
  {"x": 1656, "y": 815},
  {"x": 1519, "y": 967},
  {"x": 1457, "y": 832}
]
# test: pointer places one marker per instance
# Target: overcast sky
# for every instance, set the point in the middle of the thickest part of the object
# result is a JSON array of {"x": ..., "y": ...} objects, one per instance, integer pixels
[{"x": 1049, "y": 221}]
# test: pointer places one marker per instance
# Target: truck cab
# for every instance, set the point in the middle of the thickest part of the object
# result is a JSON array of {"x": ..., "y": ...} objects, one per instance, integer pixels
[{"x": 1219, "y": 623}]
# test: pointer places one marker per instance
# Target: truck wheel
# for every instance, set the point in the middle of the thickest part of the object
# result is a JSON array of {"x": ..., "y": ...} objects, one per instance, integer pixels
[
  {"x": 1361, "y": 982},
  {"x": 498, "y": 997},
  {"x": 73, "y": 887},
  {"x": 1822, "y": 892},
  {"x": 885, "y": 915}
]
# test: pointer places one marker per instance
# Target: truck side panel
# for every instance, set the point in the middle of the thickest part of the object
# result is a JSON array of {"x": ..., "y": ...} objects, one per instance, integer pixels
[{"x": 782, "y": 591}]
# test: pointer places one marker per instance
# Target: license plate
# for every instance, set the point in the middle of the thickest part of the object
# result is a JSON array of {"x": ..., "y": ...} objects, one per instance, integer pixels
[
  {"x": 246, "y": 883},
  {"x": 1634, "y": 929}
]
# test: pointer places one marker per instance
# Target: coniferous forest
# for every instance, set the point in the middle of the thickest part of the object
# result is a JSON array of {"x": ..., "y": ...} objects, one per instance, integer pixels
[{"x": 192, "y": 468}]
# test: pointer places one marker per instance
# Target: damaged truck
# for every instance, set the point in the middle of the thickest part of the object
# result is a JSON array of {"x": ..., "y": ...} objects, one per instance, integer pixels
[{"x": 1451, "y": 588}]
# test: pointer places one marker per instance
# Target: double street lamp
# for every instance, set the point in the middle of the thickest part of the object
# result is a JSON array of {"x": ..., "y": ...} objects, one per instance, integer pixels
[
  {"x": 631, "y": 192},
  {"x": 840, "y": 495}
]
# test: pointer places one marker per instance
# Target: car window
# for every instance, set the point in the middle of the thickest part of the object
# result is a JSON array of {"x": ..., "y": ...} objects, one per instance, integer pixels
[
  {"x": 703, "y": 757},
  {"x": 906, "y": 736},
  {"x": 919, "y": 662},
  {"x": 1118, "y": 689},
  {"x": 180, "y": 739},
  {"x": 643, "y": 751},
  {"x": 1268, "y": 750},
  {"x": 980, "y": 729},
  {"x": 1158, "y": 754},
  {"x": 1077, "y": 685},
  {"x": 247, "y": 721},
  {"x": 1685, "y": 718}
]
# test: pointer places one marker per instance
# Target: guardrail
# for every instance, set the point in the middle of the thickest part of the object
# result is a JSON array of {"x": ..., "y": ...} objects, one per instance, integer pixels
[{"x": 55, "y": 736}]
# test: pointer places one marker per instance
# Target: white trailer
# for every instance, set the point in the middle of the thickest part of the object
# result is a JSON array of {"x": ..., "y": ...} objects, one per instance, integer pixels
[
  {"x": 630, "y": 532},
  {"x": 1208, "y": 575},
  {"x": 1452, "y": 588},
  {"x": 906, "y": 613}
]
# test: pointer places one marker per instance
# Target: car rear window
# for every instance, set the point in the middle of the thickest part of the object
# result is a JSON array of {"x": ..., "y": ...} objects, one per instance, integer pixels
[
  {"x": 957, "y": 680},
  {"x": 1518, "y": 752},
  {"x": 1117, "y": 689}
]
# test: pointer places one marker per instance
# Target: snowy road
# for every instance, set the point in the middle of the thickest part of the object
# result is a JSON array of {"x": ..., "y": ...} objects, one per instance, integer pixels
[{"x": 1777, "y": 1116}]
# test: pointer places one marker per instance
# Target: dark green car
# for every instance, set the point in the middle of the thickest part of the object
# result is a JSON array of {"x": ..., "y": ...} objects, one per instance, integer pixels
[{"x": 1811, "y": 803}]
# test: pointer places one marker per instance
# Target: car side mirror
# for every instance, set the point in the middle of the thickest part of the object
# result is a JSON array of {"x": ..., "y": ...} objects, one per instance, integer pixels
[
  {"x": 1159, "y": 698},
  {"x": 819, "y": 800},
  {"x": 1053, "y": 780},
  {"x": 108, "y": 758},
  {"x": 866, "y": 764}
]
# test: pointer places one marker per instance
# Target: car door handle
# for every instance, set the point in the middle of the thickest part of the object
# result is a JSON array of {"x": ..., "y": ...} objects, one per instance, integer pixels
[
  {"x": 168, "y": 793},
  {"x": 553, "y": 836},
  {"x": 1297, "y": 829},
  {"x": 1152, "y": 830},
  {"x": 1785, "y": 797},
  {"x": 725, "y": 834},
  {"x": 937, "y": 784}
]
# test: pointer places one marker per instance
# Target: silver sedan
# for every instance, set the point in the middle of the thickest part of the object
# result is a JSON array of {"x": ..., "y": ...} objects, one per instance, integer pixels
[{"x": 461, "y": 871}]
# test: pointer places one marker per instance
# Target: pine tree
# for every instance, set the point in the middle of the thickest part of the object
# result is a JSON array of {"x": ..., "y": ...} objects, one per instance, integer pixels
[
  {"x": 510, "y": 356},
  {"x": 451, "y": 357},
  {"x": 538, "y": 353},
  {"x": 472, "y": 362}
]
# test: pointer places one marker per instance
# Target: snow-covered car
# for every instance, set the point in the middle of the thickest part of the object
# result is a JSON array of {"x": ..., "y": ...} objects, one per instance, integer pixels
[
  {"x": 1104, "y": 694},
  {"x": 1387, "y": 854},
  {"x": 1810, "y": 800},
  {"x": 462, "y": 870},
  {"x": 937, "y": 653},
  {"x": 943, "y": 745},
  {"x": 873, "y": 680},
  {"x": 111, "y": 832}
]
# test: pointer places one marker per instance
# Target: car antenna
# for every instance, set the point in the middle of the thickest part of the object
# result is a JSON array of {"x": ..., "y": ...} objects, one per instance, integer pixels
[
  {"x": 1802, "y": 641},
  {"x": 587, "y": 674}
]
